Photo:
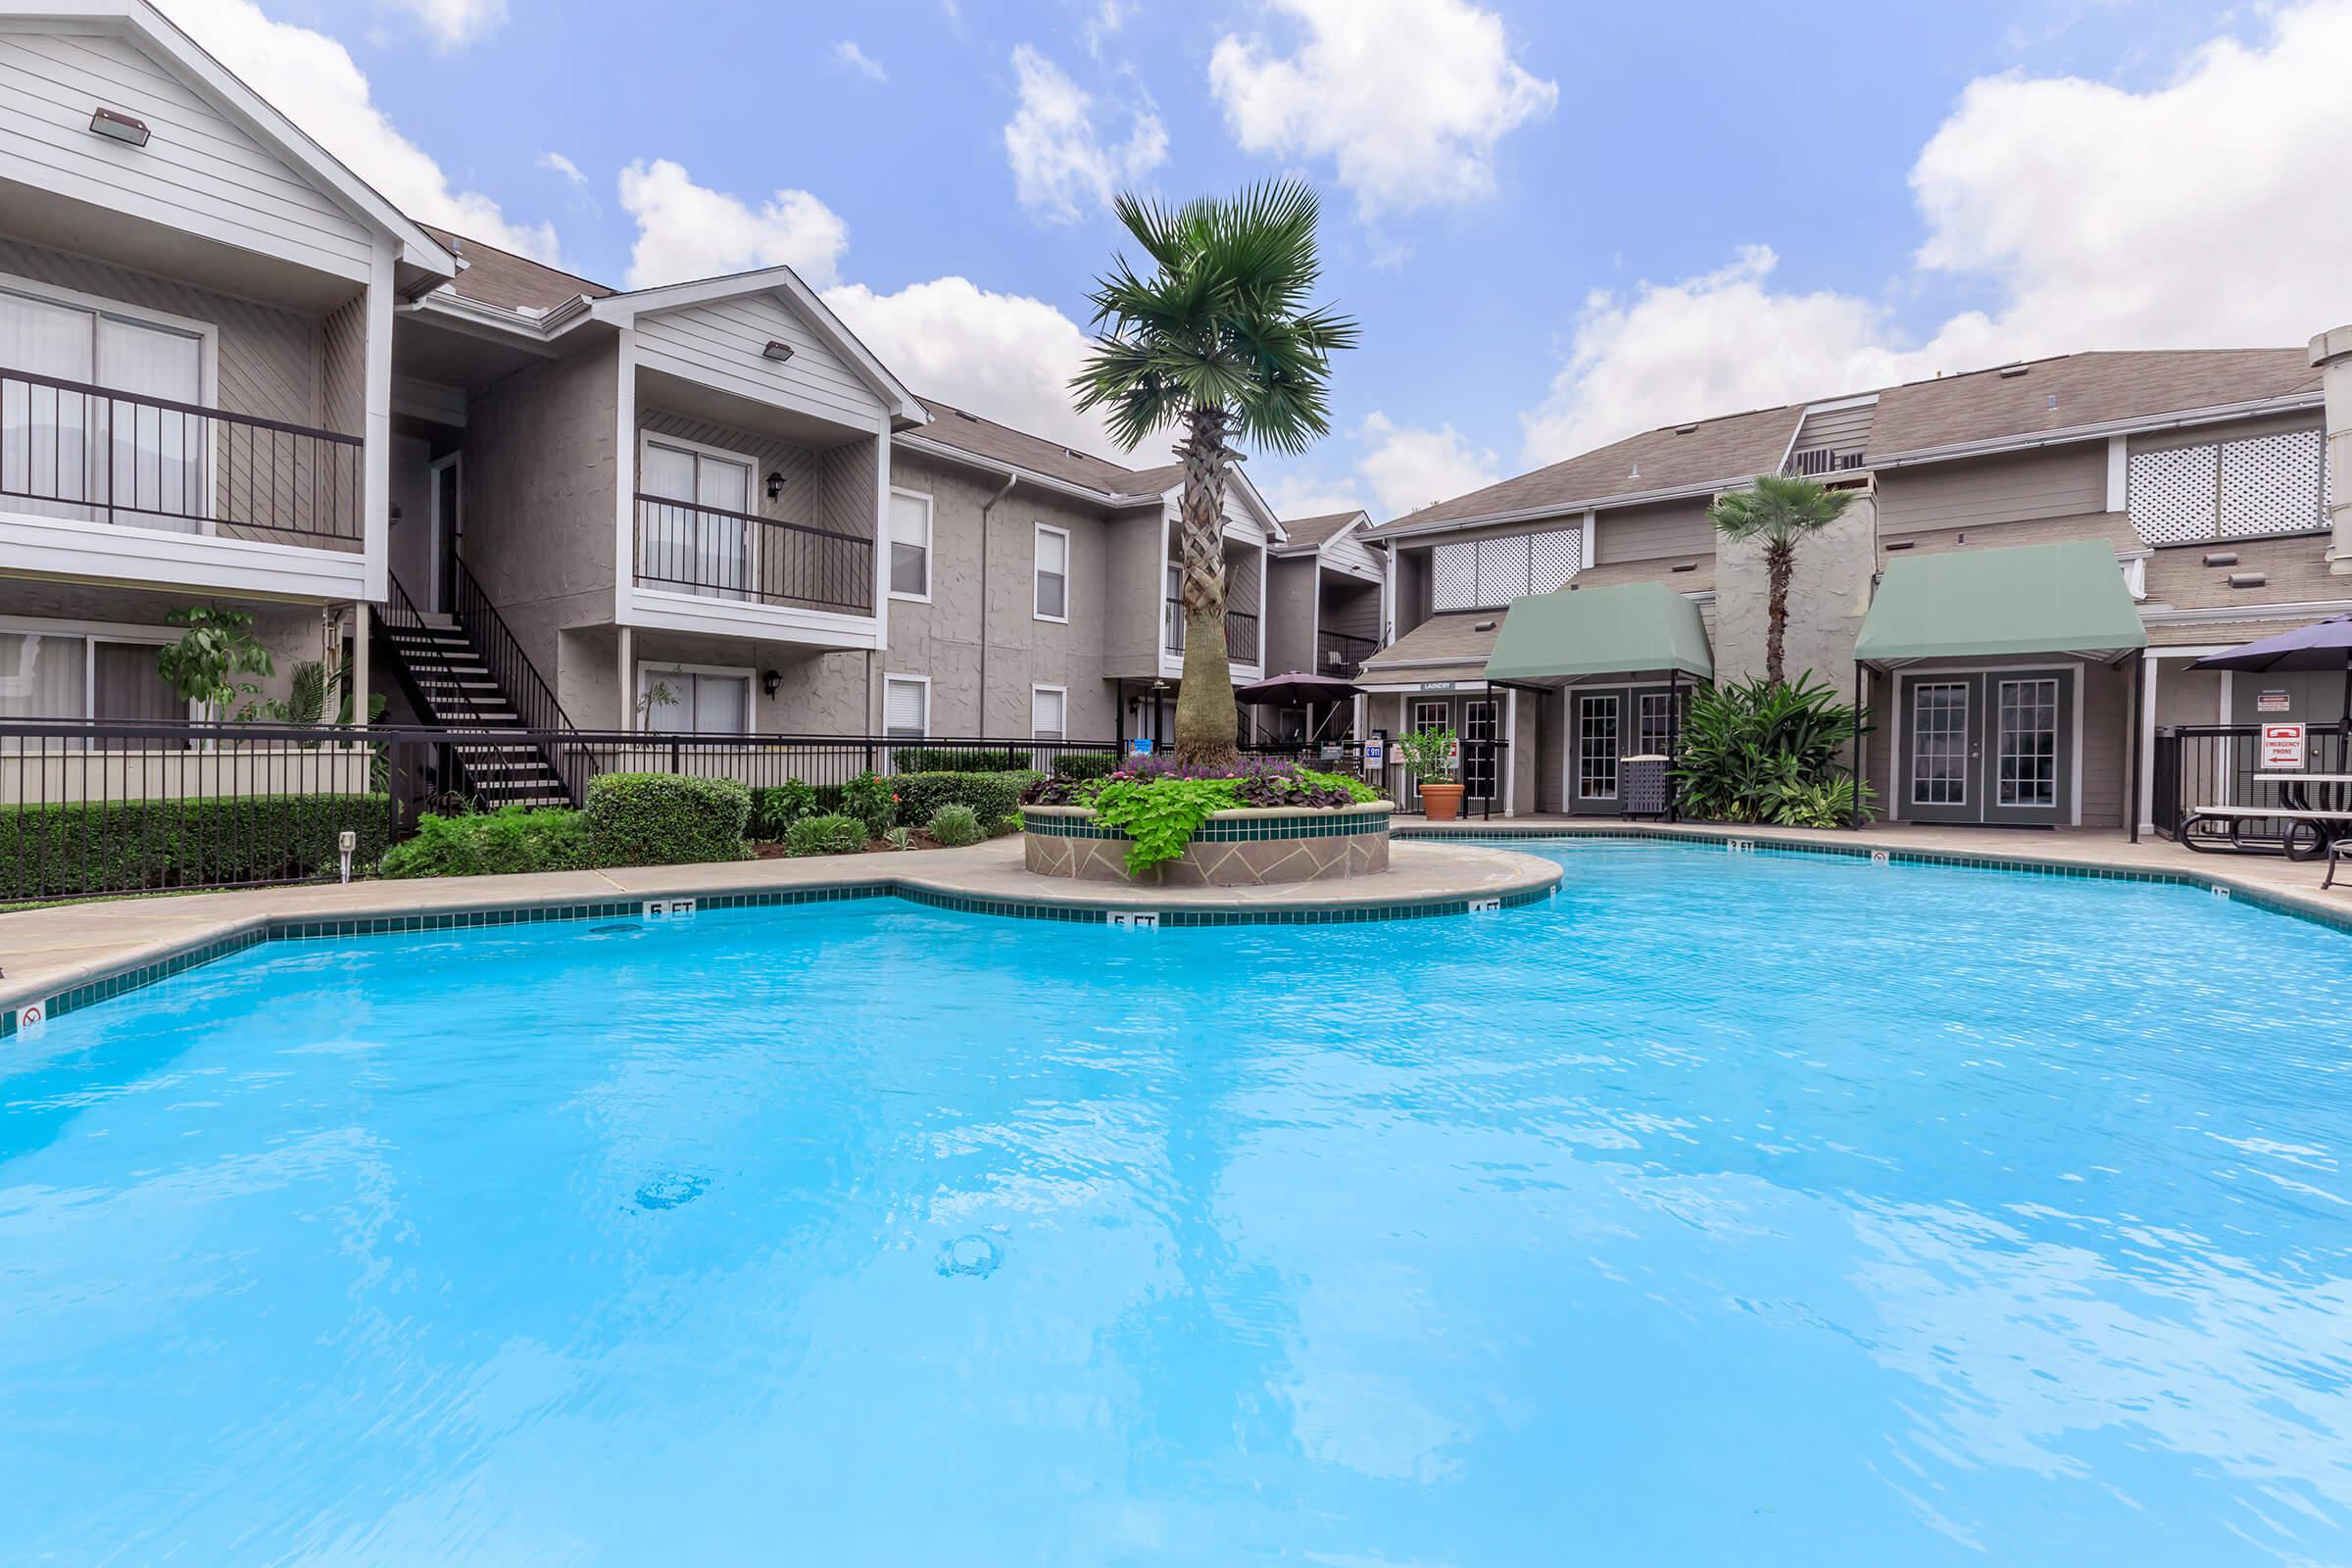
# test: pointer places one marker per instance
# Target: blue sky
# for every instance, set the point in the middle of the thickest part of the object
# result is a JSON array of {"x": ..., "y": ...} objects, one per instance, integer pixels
[{"x": 1556, "y": 224}]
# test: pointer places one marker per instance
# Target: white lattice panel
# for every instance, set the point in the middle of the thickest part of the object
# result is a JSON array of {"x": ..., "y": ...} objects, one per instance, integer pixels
[
  {"x": 2173, "y": 495},
  {"x": 1453, "y": 577},
  {"x": 1502, "y": 570},
  {"x": 2271, "y": 484},
  {"x": 1553, "y": 558}
]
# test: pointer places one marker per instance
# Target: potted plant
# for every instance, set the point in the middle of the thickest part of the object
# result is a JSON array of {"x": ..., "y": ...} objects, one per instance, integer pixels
[{"x": 1431, "y": 755}]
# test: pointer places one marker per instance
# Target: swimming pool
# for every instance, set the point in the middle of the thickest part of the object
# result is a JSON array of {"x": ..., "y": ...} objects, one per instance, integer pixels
[{"x": 1722, "y": 1208}]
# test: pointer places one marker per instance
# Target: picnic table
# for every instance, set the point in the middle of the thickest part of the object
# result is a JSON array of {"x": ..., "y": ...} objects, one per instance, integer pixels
[{"x": 2313, "y": 811}]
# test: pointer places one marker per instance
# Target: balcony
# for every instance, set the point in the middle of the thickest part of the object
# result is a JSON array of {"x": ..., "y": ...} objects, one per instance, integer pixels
[
  {"x": 82, "y": 454},
  {"x": 712, "y": 552},
  {"x": 1241, "y": 633},
  {"x": 1340, "y": 655}
]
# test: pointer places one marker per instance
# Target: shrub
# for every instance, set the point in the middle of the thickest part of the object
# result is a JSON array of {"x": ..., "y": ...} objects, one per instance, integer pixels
[
  {"x": 955, "y": 826},
  {"x": 663, "y": 819},
  {"x": 774, "y": 809},
  {"x": 900, "y": 838},
  {"x": 870, "y": 801},
  {"x": 988, "y": 795},
  {"x": 1758, "y": 750},
  {"x": 1086, "y": 764},
  {"x": 69, "y": 850},
  {"x": 959, "y": 759},
  {"x": 1161, "y": 815},
  {"x": 1011, "y": 822},
  {"x": 508, "y": 840},
  {"x": 826, "y": 835}
]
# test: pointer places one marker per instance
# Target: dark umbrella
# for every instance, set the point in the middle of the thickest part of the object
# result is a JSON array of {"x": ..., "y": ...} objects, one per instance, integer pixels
[
  {"x": 1298, "y": 690},
  {"x": 2322, "y": 644}
]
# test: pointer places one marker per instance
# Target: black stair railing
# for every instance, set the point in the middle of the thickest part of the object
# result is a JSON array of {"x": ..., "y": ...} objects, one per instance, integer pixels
[
  {"x": 434, "y": 686},
  {"x": 532, "y": 697}
]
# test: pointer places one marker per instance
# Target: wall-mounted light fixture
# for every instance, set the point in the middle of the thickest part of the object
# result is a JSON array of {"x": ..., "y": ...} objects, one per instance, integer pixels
[
  {"x": 778, "y": 352},
  {"x": 119, "y": 127},
  {"x": 771, "y": 682},
  {"x": 776, "y": 484}
]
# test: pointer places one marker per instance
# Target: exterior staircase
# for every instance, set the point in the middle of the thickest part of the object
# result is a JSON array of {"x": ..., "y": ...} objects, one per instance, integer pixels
[{"x": 450, "y": 683}]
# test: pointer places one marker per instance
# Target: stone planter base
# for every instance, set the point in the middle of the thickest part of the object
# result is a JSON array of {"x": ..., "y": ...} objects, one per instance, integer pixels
[{"x": 1233, "y": 849}]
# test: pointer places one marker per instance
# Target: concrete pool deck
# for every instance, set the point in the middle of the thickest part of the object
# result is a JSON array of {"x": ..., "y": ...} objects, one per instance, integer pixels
[{"x": 49, "y": 952}]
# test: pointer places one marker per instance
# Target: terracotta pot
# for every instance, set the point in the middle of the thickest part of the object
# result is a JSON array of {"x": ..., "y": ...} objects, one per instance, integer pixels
[{"x": 1442, "y": 803}]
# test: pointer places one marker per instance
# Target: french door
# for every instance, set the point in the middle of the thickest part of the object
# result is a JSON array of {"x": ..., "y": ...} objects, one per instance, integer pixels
[
  {"x": 1482, "y": 722},
  {"x": 1991, "y": 746}
]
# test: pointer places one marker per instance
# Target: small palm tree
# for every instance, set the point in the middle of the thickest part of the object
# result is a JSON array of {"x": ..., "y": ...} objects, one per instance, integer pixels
[
  {"x": 1220, "y": 339},
  {"x": 1781, "y": 510}
]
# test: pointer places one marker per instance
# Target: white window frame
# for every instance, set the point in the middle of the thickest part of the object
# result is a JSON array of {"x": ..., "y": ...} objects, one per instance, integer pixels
[
  {"x": 208, "y": 364},
  {"x": 648, "y": 437},
  {"x": 92, "y": 633},
  {"x": 1062, "y": 693},
  {"x": 1036, "y": 577},
  {"x": 673, "y": 666},
  {"x": 924, "y": 682},
  {"x": 930, "y": 540}
]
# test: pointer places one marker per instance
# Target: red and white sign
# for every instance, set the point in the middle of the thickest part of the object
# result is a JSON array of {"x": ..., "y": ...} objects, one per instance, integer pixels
[
  {"x": 2281, "y": 748},
  {"x": 31, "y": 1019}
]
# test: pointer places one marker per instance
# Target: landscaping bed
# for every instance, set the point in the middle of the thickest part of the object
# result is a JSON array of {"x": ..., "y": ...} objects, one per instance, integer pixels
[{"x": 1261, "y": 821}]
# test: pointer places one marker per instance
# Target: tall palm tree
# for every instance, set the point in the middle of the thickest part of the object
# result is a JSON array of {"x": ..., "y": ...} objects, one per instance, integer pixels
[
  {"x": 1219, "y": 339},
  {"x": 1781, "y": 510}
]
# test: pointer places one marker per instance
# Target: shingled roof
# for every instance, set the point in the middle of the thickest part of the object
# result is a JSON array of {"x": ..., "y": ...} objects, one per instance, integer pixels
[
  {"x": 1308, "y": 533},
  {"x": 507, "y": 281}
]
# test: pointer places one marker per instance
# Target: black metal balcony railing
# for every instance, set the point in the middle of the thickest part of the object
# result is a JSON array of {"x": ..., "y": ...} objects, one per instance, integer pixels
[
  {"x": 1241, "y": 632},
  {"x": 93, "y": 453},
  {"x": 1337, "y": 652},
  {"x": 718, "y": 554}
]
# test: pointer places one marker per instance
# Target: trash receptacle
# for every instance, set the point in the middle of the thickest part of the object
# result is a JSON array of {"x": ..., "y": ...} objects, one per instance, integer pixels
[{"x": 1644, "y": 784}]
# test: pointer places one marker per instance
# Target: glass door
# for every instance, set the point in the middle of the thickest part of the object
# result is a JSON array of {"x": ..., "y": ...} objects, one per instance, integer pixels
[
  {"x": 700, "y": 544},
  {"x": 1939, "y": 750},
  {"x": 1482, "y": 722},
  {"x": 1597, "y": 748},
  {"x": 2029, "y": 761}
]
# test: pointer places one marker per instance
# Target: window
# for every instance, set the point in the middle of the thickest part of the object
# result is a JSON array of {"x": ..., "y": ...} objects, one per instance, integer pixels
[
  {"x": 909, "y": 546},
  {"x": 1489, "y": 573},
  {"x": 85, "y": 674},
  {"x": 1049, "y": 713},
  {"x": 1053, "y": 572},
  {"x": 694, "y": 699},
  {"x": 69, "y": 454},
  {"x": 906, "y": 707},
  {"x": 1939, "y": 729},
  {"x": 696, "y": 538}
]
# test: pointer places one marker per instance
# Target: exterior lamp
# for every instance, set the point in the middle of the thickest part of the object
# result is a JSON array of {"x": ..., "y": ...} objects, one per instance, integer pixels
[
  {"x": 771, "y": 682},
  {"x": 778, "y": 352},
  {"x": 776, "y": 484},
  {"x": 120, "y": 127}
]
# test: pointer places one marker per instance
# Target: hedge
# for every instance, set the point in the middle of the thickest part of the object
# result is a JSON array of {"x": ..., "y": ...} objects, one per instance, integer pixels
[
  {"x": 511, "y": 839},
  {"x": 663, "y": 819},
  {"x": 826, "y": 834},
  {"x": 958, "y": 759},
  {"x": 1086, "y": 764},
  {"x": 991, "y": 796},
  {"x": 775, "y": 808},
  {"x": 69, "y": 850}
]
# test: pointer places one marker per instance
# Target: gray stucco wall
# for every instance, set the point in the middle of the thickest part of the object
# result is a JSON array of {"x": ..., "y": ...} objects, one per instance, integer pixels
[
  {"x": 1135, "y": 582},
  {"x": 1290, "y": 593},
  {"x": 1828, "y": 597}
]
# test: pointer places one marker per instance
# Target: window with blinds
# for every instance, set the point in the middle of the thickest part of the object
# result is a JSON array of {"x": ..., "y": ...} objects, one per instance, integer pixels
[
  {"x": 905, "y": 708},
  {"x": 1052, "y": 574},
  {"x": 909, "y": 546},
  {"x": 1488, "y": 573},
  {"x": 1049, "y": 713},
  {"x": 2230, "y": 489}
]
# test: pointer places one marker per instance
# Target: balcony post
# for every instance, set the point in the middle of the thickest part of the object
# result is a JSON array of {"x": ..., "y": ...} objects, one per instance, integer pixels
[{"x": 359, "y": 666}]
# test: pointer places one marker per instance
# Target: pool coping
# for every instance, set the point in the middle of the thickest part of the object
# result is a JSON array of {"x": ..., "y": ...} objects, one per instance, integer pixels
[{"x": 1463, "y": 879}]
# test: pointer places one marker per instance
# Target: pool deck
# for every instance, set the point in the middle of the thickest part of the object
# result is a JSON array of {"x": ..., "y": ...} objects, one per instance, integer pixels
[{"x": 46, "y": 952}]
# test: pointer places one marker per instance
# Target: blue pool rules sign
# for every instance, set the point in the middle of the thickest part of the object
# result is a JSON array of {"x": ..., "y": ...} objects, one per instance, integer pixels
[{"x": 1141, "y": 746}]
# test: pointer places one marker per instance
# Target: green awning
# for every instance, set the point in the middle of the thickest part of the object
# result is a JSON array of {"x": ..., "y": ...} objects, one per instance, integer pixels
[
  {"x": 2028, "y": 599},
  {"x": 1631, "y": 628}
]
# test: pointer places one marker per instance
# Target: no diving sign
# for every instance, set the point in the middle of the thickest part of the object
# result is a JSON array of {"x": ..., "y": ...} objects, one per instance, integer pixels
[{"x": 31, "y": 1019}]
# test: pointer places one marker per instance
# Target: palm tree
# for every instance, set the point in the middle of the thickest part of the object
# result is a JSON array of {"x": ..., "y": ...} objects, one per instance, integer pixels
[
  {"x": 1220, "y": 339},
  {"x": 1781, "y": 510}
]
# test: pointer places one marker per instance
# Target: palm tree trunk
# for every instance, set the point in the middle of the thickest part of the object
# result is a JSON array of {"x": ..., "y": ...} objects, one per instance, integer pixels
[
  {"x": 1205, "y": 715},
  {"x": 1780, "y": 560}
]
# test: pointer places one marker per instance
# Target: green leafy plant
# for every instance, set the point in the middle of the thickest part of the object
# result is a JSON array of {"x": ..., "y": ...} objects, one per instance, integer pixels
[
  {"x": 872, "y": 800},
  {"x": 1429, "y": 753},
  {"x": 511, "y": 839},
  {"x": 657, "y": 693},
  {"x": 1362, "y": 792},
  {"x": 900, "y": 838},
  {"x": 955, "y": 826},
  {"x": 988, "y": 795},
  {"x": 775, "y": 808},
  {"x": 1161, "y": 815},
  {"x": 216, "y": 651},
  {"x": 1760, "y": 750},
  {"x": 826, "y": 834},
  {"x": 1779, "y": 510},
  {"x": 1009, "y": 823},
  {"x": 663, "y": 819}
]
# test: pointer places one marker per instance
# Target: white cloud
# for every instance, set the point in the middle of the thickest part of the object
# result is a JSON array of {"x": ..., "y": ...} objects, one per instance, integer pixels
[
  {"x": 455, "y": 22},
  {"x": 313, "y": 79},
  {"x": 1061, "y": 168},
  {"x": 1005, "y": 356},
  {"x": 1403, "y": 467},
  {"x": 848, "y": 53},
  {"x": 686, "y": 230},
  {"x": 1409, "y": 98},
  {"x": 1110, "y": 15},
  {"x": 2192, "y": 215}
]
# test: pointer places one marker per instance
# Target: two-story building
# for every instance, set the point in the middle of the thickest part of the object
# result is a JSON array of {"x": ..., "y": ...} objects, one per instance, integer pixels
[{"x": 2122, "y": 513}]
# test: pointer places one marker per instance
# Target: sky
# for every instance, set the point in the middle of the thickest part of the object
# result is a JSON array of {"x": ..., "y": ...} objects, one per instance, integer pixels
[{"x": 1557, "y": 223}]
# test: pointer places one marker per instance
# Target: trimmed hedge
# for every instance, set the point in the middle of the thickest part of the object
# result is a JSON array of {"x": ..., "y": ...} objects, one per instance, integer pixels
[
  {"x": 958, "y": 759},
  {"x": 1086, "y": 764},
  {"x": 663, "y": 819},
  {"x": 826, "y": 834},
  {"x": 64, "y": 851},
  {"x": 991, "y": 796},
  {"x": 511, "y": 839}
]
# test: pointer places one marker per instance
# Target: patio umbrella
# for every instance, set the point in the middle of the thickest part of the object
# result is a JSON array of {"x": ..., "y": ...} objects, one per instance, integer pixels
[
  {"x": 1298, "y": 690},
  {"x": 2322, "y": 644}
]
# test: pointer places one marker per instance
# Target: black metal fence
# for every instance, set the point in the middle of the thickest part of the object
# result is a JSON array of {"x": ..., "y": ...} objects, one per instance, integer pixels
[
  {"x": 2202, "y": 766},
  {"x": 1241, "y": 632},
  {"x": 718, "y": 554},
  {"x": 97, "y": 454}
]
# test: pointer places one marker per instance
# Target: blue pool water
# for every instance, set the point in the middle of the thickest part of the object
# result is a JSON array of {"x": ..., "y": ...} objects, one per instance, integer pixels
[{"x": 1723, "y": 1209}]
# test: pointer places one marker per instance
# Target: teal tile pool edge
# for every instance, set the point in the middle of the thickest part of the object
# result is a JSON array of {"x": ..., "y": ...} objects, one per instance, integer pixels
[{"x": 106, "y": 987}]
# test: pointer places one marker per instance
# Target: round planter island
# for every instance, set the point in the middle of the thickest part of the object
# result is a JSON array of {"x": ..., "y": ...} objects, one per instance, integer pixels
[{"x": 1254, "y": 847}]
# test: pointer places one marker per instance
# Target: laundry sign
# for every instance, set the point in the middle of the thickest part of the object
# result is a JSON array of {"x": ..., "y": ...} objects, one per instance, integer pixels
[{"x": 2281, "y": 747}]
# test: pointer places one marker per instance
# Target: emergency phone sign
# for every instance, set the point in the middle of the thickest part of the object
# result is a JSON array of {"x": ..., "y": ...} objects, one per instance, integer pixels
[{"x": 2281, "y": 747}]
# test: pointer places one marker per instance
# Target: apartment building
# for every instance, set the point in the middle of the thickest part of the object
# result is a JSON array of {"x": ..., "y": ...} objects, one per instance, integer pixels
[{"x": 2032, "y": 556}]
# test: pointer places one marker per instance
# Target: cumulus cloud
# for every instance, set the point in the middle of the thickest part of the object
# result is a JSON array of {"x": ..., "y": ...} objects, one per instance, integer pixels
[
  {"x": 686, "y": 230},
  {"x": 1062, "y": 170},
  {"x": 848, "y": 53},
  {"x": 454, "y": 24},
  {"x": 312, "y": 79},
  {"x": 2186, "y": 215},
  {"x": 1406, "y": 98},
  {"x": 1400, "y": 468}
]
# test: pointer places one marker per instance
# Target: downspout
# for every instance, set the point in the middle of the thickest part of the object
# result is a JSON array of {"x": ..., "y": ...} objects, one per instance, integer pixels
[{"x": 980, "y": 720}]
